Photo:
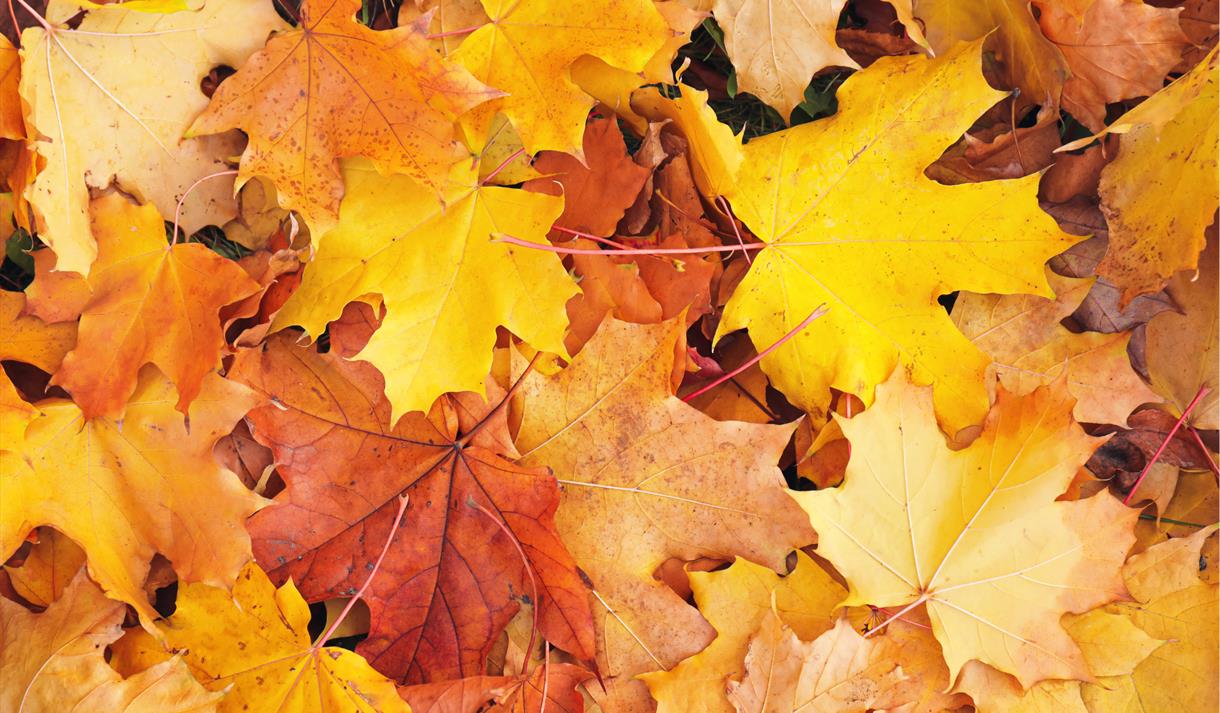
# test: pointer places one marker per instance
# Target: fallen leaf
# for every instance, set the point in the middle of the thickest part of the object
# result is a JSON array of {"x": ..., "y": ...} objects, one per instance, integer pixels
[
  {"x": 433, "y": 268},
  {"x": 526, "y": 49},
  {"x": 915, "y": 523},
  {"x": 597, "y": 191},
  {"x": 846, "y": 196},
  {"x": 97, "y": 115},
  {"x": 1023, "y": 334},
  {"x": 54, "y": 661},
  {"x": 128, "y": 490},
  {"x": 451, "y": 583},
  {"x": 1114, "y": 49},
  {"x": 150, "y": 303},
  {"x": 645, "y": 478},
  {"x": 777, "y": 47},
  {"x": 1182, "y": 347},
  {"x": 839, "y": 672},
  {"x": 52, "y": 563},
  {"x": 254, "y": 646},
  {"x": 334, "y": 88},
  {"x": 1157, "y": 195},
  {"x": 736, "y": 601},
  {"x": 1030, "y": 61}
]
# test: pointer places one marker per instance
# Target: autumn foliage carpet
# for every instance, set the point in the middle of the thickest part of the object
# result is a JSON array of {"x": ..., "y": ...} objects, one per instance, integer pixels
[{"x": 546, "y": 356}]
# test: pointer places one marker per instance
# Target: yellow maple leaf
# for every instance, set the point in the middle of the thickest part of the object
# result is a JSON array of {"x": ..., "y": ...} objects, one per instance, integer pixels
[
  {"x": 127, "y": 490},
  {"x": 334, "y": 88},
  {"x": 851, "y": 221},
  {"x": 1160, "y": 194},
  {"x": 527, "y": 48},
  {"x": 255, "y": 645},
  {"x": 98, "y": 113},
  {"x": 445, "y": 282},
  {"x": 975, "y": 534},
  {"x": 55, "y": 661},
  {"x": 736, "y": 601},
  {"x": 777, "y": 47}
]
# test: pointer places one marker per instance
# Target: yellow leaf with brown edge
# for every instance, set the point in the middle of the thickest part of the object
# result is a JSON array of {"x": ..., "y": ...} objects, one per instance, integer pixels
[
  {"x": 97, "y": 114},
  {"x": 150, "y": 303},
  {"x": 777, "y": 46},
  {"x": 526, "y": 50},
  {"x": 645, "y": 478},
  {"x": 1159, "y": 194},
  {"x": 446, "y": 282},
  {"x": 126, "y": 491},
  {"x": 1029, "y": 346},
  {"x": 255, "y": 645},
  {"x": 839, "y": 672},
  {"x": 55, "y": 661},
  {"x": 976, "y": 534},
  {"x": 846, "y": 197},
  {"x": 736, "y": 601}
]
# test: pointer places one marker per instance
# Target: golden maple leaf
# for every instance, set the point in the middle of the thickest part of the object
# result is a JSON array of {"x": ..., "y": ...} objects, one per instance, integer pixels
[{"x": 851, "y": 221}]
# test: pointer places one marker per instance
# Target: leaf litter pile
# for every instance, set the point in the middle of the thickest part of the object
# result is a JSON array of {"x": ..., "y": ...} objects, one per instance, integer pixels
[{"x": 609, "y": 355}]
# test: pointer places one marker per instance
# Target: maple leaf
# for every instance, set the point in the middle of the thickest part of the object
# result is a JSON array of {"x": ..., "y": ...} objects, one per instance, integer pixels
[
  {"x": 526, "y": 49},
  {"x": 1114, "y": 49},
  {"x": 1030, "y": 61},
  {"x": 452, "y": 582},
  {"x": 334, "y": 88},
  {"x": 54, "y": 661},
  {"x": 433, "y": 267},
  {"x": 1158, "y": 195},
  {"x": 597, "y": 192},
  {"x": 150, "y": 303},
  {"x": 736, "y": 601},
  {"x": 644, "y": 478},
  {"x": 128, "y": 490},
  {"x": 29, "y": 339},
  {"x": 97, "y": 116},
  {"x": 1023, "y": 334},
  {"x": 845, "y": 197},
  {"x": 839, "y": 672},
  {"x": 777, "y": 47},
  {"x": 1181, "y": 347},
  {"x": 975, "y": 534},
  {"x": 254, "y": 645}
]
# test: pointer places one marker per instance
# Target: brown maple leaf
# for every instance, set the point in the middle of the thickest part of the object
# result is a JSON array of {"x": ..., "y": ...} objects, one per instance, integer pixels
[{"x": 479, "y": 537}]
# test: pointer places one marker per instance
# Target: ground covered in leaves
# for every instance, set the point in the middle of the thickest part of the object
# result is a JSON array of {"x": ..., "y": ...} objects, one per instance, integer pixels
[{"x": 610, "y": 355}]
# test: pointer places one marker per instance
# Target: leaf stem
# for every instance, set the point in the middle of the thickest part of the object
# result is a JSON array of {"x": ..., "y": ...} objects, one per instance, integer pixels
[
  {"x": 818, "y": 312},
  {"x": 1203, "y": 391},
  {"x": 503, "y": 164},
  {"x": 402, "y": 509},
  {"x": 733, "y": 221},
  {"x": 454, "y": 33}
]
